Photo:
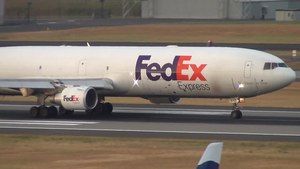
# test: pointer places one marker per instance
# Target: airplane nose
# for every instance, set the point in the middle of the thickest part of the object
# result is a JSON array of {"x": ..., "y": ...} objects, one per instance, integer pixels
[
  {"x": 276, "y": 79},
  {"x": 284, "y": 78},
  {"x": 290, "y": 76}
]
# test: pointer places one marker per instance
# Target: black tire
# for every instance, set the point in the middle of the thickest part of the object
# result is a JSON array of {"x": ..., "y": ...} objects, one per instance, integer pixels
[
  {"x": 108, "y": 108},
  {"x": 236, "y": 114},
  {"x": 99, "y": 108},
  {"x": 44, "y": 112},
  {"x": 52, "y": 110},
  {"x": 35, "y": 112},
  {"x": 63, "y": 112},
  {"x": 90, "y": 112}
]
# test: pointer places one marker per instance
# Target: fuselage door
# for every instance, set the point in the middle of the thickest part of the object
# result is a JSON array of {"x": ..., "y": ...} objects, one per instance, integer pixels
[
  {"x": 246, "y": 86},
  {"x": 247, "y": 71}
]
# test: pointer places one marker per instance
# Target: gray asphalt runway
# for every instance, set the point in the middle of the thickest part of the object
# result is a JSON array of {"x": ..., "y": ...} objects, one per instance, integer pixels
[{"x": 161, "y": 121}]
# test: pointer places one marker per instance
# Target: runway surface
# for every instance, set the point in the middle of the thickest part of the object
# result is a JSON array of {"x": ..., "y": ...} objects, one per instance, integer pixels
[{"x": 161, "y": 121}]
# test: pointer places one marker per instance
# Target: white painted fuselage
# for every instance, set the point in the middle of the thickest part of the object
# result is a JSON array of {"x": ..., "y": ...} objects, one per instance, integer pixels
[{"x": 209, "y": 72}]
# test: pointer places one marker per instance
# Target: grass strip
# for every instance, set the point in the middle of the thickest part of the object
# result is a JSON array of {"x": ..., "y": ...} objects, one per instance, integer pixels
[
  {"x": 275, "y": 32},
  {"x": 28, "y": 151}
]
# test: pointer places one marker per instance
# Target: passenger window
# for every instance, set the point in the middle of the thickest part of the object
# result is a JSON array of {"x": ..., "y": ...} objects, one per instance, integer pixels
[{"x": 267, "y": 66}]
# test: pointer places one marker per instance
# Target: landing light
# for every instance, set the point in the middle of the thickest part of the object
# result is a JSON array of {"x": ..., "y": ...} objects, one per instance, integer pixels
[{"x": 241, "y": 85}]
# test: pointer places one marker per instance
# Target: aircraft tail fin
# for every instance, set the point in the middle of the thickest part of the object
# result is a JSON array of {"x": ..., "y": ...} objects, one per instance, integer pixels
[{"x": 211, "y": 157}]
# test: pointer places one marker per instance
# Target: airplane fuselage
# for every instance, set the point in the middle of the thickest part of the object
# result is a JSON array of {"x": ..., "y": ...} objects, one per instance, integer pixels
[{"x": 209, "y": 72}]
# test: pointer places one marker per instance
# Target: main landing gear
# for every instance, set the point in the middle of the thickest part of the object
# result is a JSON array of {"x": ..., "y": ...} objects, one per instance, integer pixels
[
  {"x": 102, "y": 109},
  {"x": 49, "y": 112},
  {"x": 236, "y": 112}
]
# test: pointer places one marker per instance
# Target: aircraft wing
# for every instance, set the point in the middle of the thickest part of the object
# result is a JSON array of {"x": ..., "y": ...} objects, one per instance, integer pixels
[
  {"x": 52, "y": 84},
  {"x": 21, "y": 83},
  {"x": 96, "y": 83}
]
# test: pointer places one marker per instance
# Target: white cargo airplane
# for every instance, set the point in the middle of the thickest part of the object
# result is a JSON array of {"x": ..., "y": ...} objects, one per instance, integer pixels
[
  {"x": 211, "y": 157},
  {"x": 79, "y": 78}
]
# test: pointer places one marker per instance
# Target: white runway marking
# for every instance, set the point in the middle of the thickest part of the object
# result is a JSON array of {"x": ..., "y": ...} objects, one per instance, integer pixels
[
  {"x": 195, "y": 111},
  {"x": 157, "y": 131},
  {"x": 48, "y": 123},
  {"x": 172, "y": 111}
]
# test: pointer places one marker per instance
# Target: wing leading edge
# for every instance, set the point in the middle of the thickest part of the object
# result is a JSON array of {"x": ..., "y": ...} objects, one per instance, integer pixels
[{"x": 105, "y": 84}]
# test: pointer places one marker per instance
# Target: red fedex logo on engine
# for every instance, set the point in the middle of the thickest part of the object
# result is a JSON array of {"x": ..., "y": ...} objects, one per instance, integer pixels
[
  {"x": 155, "y": 71},
  {"x": 72, "y": 98}
]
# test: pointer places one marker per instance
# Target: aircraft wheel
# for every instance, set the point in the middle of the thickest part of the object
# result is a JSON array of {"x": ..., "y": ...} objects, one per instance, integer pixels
[
  {"x": 236, "y": 114},
  {"x": 34, "y": 112},
  {"x": 108, "y": 108},
  {"x": 52, "y": 111},
  {"x": 90, "y": 112},
  {"x": 99, "y": 108},
  {"x": 63, "y": 112},
  {"x": 44, "y": 112}
]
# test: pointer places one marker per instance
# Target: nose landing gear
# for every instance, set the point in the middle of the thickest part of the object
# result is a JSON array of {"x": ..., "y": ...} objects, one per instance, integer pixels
[{"x": 236, "y": 112}]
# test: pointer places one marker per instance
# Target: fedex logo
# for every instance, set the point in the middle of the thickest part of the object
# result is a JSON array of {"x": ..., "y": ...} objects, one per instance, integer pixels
[
  {"x": 154, "y": 71},
  {"x": 72, "y": 98}
]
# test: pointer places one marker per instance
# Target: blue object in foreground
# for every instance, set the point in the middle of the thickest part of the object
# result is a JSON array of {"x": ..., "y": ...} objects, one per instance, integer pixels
[{"x": 211, "y": 157}]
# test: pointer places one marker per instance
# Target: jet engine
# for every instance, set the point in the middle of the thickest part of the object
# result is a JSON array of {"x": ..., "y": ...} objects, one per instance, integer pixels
[
  {"x": 77, "y": 98},
  {"x": 162, "y": 100}
]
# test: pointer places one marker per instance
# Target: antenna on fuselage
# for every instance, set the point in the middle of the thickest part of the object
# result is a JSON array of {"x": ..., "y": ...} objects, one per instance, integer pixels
[{"x": 88, "y": 44}]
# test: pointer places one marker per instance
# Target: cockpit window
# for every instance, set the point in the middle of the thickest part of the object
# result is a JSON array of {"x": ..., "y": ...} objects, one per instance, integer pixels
[
  {"x": 282, "y": 65},
  {"x": 267, "y": 66},
  {"x": 273, "y": 65}
]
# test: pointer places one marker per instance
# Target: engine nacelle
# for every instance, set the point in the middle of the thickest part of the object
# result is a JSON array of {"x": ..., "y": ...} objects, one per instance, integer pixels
[
  {"x": 162, "y": 100},
  {"x": 77, "y": 98}
]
